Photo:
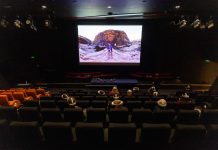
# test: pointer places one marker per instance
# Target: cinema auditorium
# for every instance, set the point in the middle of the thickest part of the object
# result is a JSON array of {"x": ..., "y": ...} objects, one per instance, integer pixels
[{"x": 108, "y": 74}]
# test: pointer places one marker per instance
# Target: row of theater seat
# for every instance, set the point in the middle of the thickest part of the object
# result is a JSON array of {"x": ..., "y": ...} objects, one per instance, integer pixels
[
  {"x": 15, "y": 97},
  {"x": 116, "y": 133},
  {"x": 99, "y": 103},
  {"x": 113, "y": 115}
]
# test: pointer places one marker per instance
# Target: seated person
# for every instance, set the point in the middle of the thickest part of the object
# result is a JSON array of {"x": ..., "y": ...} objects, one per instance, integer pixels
[
  {"x": 135, "y": 89},
  {"x": 114, "y": 91},
  {"x": 155, "y": 93},
  {"x": 161, "y": 105},
  {"x": 129, "y": 93},
  {"x": 101, "y": 92},
  {"x": 117, "y": 103},
  {"x": 185, "y": 95},
  {"x": 70, "y": 100},
  {"x": 151, "y": 90}
]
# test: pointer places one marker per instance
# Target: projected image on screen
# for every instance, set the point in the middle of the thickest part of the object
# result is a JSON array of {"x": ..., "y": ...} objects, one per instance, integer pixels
[{"x": 109, "y": 44}]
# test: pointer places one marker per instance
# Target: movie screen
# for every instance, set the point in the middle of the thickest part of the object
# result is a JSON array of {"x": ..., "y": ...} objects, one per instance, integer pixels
[{"x": 109, "y": 44}]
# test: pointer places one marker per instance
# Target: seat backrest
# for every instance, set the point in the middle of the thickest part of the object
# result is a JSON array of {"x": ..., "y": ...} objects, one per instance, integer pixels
[
  {"x": 40, "y": 91},
  {"x": 96, "y": 114},
  {"x": 31, "y": 103},
  {"x": 83, "y": 103},
  {"x": 92, "y": 133},
  {"x": 19, "y": 96},
  {"x": 209, "y": 116},
  {"x": 140, "y": 116},
  {"x": 187, "y": 134},
  {"x": 59, "y": 132},
  {"x": 187, "y": 116},
  {"x": 25, "y": 132},
  {"x": 9, "y": 95},
  {"x": 29, "y": 113},
  {"x": 48, "y": 104},
  {"x": 155, "y": 133},
  {"x": 73, "y": 115},
  {"x": 121, "y": 133},
  {"x": 4, "y": 100},
  {"x": 164, "y": 116},
  {"x": 51, "y": 114},
  {"x": 32, "y": 92},
  {"x": 150, "y": 104},
  {"x": 9, "y": 113},
  {"x": 99, "y": 103},
  {"x": 118, "y": 115},
  {"x": 133, "y": 104}
]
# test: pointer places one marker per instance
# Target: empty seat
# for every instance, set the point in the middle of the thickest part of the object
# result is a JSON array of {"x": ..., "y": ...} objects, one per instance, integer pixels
[
  {"x": 99, "y": 103},
  {"x": 96, "y": 114},
  {"x": 142, "y": 115},
  {"x": 189, "y": 136},
  {"x": 31, "y": 103},
  {"x": 150, "y": 104},
  {"x": 5, "y": 137},
  {"x": 73, "y": 115},
  {"x": 133, "y": 104},
  {"x": 21, "y": 96},
  {"x": 172, "y": 105},
  {"x": 29, "y": 114},
  {"x": 86, "y": 97},
  {"x": 209, "y": 116},
  {"x": 47, "y": 104},
  {"x": 43, "y": 92},
  {"x": 33, "y": 93},
  {"x": 130, "y": 98},
  {"x": 155, "y": 134},
  {"x": 25, "y": 133},
  {"x": 62, "y": 104},
  {"x": 4, "y": 101},
  {"x": 164, "y": 116},
  {"x": 212, "y": 135},
  {"x": 42, "y": 97},
  {"x": 187, "y": 117},
  {"x": 187, "y": 105},
  {"x": 51, "y": 114},
  {"x": 83, "y": 103},
  {"x": 92, "y": 133},
  {"x": 57, "y": 132},
  {"x": 121, "y": 133},
  {"x": 144, "y": 98},
  {"x": 9, "y": 113},
  {"x": 118, "y": 115}
]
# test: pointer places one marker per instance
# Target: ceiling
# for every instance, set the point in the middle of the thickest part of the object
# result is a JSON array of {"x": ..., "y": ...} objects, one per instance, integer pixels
[{"x": 91, "y": 8}]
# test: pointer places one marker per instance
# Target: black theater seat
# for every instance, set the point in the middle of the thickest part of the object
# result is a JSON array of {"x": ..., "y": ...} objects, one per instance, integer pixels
[
  {"x": 91, "y": 133},
  {"x": 122, "y": 133}
]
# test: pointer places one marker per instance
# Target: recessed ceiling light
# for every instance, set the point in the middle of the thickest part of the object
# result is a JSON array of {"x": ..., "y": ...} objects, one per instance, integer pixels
[
  {"x": 177, "y": 6},
  {"x": 43, "y": 6},
  {"x": 109, "y": 7}
]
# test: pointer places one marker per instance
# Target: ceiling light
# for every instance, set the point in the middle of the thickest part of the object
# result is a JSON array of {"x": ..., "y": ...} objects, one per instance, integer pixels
[
  {"x": 18, "y": 23},
  {"x": 48, "y": 23},
  {"x": 43, "y": 6},
  {"x": 182, "y": 22},
  {"x": 3, "y": 22},
  {"x": 30, "y": 24},
  {"x": 177, "y": 6},
  {"x": 196, "y": 23},
  {"x": 109, "y": 7},
  {"x": 210, "y": 23}
]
